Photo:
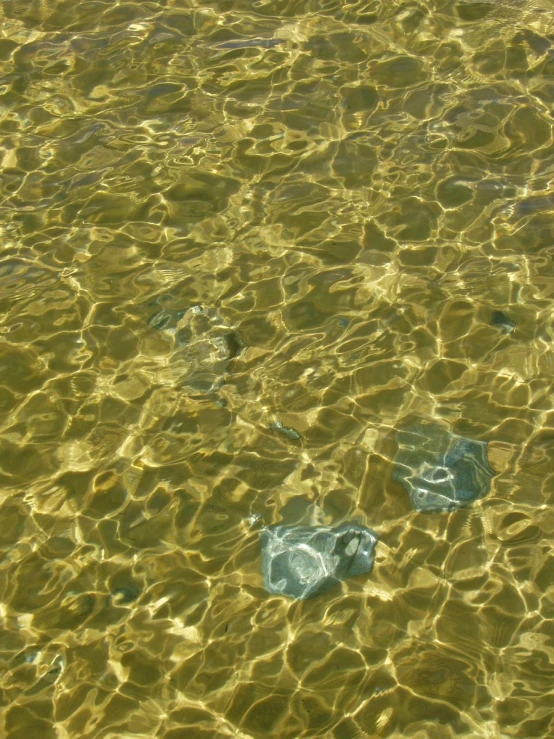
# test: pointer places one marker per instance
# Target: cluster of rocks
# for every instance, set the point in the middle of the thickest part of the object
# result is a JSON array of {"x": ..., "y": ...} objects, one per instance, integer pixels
[{"x": 439, "y": 470}]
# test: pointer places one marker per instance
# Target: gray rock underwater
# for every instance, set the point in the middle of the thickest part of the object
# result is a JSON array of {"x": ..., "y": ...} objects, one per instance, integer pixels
[
  {"x": 203, "y": 343},
  {"x": 304, "y": 561},
  {"x": 440, "y": 470}
]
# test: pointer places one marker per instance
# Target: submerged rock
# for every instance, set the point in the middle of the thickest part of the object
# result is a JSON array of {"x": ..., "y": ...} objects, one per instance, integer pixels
[
  {"x": 503, "y": 322},
  {"x": 440, "y": 470},
  {"x": 287, "y": 431},
  {"x": 203, "y": 343},
  {"x": 304, "y": 561}
]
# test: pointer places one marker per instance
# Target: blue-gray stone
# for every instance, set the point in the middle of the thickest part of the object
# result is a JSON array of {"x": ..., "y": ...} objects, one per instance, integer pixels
[
  {"x": 287, "y": 431},
  {"x": 440, "y": 470},
  {"x": 304, "y": 561}
]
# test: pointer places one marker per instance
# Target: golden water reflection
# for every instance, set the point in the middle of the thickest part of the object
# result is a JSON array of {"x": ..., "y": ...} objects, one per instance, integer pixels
[{"x": 349, "y": 192}]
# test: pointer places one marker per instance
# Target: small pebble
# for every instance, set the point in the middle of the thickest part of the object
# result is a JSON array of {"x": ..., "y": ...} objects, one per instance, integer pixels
[
  {"x": 502, "y": 321},
  {"x": 290, "y": 433}
]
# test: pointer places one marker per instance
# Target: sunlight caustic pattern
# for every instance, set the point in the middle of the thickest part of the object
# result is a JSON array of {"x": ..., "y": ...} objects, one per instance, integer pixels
[{"x": 241, "y": 242}]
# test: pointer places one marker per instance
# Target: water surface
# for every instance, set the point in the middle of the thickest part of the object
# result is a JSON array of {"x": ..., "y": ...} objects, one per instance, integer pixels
[{"x": 353, "y": 192}]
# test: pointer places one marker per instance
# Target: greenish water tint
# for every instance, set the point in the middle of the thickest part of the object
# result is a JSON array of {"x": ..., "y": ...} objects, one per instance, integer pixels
[{"x": 240, "y": 244}]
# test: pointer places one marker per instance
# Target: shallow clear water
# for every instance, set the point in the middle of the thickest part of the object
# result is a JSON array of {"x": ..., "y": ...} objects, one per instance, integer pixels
[{"x": 347, "y": 193}]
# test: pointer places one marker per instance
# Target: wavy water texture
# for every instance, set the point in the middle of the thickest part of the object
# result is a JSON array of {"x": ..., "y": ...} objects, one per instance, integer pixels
[{"x": 240, "y": 243}]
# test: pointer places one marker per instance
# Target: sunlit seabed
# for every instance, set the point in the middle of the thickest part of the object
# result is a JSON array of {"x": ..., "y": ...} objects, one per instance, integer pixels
[{"x": 350, "y": 191}]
